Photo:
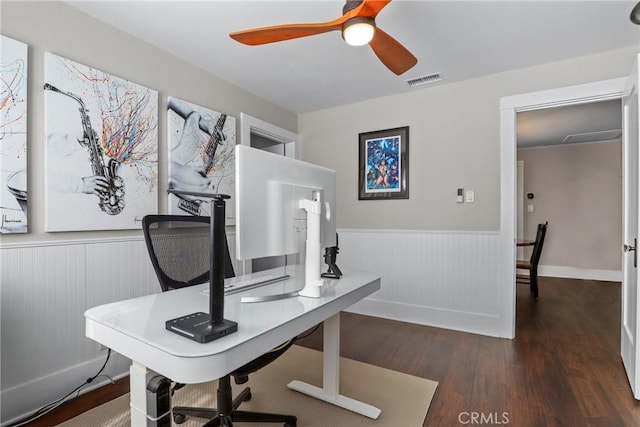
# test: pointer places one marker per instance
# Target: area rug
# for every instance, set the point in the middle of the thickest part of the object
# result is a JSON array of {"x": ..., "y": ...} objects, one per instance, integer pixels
[{"x": 403, "y": 399}]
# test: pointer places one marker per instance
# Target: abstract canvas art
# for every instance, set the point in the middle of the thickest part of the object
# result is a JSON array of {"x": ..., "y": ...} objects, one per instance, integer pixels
[
  {"x": 101, "y": 149},
  {"x": 13, "y": 136},
  {"x": 201, "y": 157}
]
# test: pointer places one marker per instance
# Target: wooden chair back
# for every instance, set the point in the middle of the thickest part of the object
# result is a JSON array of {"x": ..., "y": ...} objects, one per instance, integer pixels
[{"x": 537, "y": 247}]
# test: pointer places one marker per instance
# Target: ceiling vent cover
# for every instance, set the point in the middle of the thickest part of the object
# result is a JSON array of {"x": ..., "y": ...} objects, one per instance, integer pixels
[
  {"x": 603, "y": 135},
  {"x": 419, "y": 81}
]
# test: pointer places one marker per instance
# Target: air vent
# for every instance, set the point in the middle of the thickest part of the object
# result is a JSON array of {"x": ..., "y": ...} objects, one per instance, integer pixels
[
  {"x": 419, "y": 81},
  {"x": 603, "y": 135}
]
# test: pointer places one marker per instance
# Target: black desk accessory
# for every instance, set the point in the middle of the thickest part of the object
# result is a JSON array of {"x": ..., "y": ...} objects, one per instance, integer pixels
[
  {"x": 330, "y": 255},
  {"x": 203, "y": 327}
]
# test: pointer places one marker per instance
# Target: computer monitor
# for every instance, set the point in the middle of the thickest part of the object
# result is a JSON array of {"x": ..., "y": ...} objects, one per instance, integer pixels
[{"x": 284, "y": 206}]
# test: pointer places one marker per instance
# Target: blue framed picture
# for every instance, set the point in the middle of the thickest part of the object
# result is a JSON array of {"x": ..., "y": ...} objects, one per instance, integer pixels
[{"x": 384, "y": 164}]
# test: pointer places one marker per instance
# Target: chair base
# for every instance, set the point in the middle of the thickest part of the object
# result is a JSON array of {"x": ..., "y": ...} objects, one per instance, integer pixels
[{"x": 231, "y": 414}]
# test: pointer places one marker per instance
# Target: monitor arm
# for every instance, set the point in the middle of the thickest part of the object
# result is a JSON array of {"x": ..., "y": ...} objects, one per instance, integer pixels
[{"x": 312, "y": 280}]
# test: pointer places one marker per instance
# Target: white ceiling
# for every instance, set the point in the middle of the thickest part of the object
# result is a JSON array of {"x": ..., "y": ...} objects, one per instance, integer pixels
[
  {"x": 460, "y": 39},
  {"x": 551, "y": 126}
]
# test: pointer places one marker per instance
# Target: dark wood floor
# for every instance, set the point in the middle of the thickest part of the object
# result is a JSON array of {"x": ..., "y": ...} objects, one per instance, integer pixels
[{"x": 563, "y": 368}]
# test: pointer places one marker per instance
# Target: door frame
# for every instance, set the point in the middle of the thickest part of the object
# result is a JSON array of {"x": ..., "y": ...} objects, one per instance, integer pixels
[
  {"x": 509, "y": 106},
  {"x": 250, "y": 124},
  {"x": 520, "y": 202}
]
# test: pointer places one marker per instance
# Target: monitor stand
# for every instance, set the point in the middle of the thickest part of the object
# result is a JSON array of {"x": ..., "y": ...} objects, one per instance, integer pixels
[
  {"x": 206, "y": 327},
  {"x": 312, "y": 279}
]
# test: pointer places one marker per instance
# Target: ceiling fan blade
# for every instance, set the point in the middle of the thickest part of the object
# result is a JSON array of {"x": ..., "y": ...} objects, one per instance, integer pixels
[
  {"x": 392, "y": 54},
  {"x": 371, "y": 8},
  {"x": 277, "y": 33}
]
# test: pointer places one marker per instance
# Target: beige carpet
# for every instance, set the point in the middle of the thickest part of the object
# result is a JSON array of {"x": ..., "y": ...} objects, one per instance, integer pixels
[{"x": 403, "y": 399}]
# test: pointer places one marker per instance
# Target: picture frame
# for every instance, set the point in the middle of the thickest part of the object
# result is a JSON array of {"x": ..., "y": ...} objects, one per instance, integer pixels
[{"x": 384, "y": 164}]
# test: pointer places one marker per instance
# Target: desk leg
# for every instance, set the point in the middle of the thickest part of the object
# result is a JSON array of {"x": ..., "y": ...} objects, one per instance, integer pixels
[
  {"x": 146, "y": 400},
  {"x": 331, "y": 375},
  {"x": 139, "y": 376}
]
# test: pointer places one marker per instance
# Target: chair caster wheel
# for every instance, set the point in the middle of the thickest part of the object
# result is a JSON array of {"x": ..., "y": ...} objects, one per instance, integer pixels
[
  {"x": 179, "y": 418},
  {"x": 248, "y": 398}
]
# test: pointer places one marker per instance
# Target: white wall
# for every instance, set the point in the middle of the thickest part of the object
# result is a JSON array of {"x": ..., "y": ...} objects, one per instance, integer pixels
[{"x": 46, "y": 288}]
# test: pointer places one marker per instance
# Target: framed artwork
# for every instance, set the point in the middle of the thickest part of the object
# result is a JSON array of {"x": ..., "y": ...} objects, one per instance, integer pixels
[
  {"x": 384, "y": 164},
  {"x": 101, "y": 149},
  {"x": 201, "y": 157},
  {"x": 13, "y": 136}
]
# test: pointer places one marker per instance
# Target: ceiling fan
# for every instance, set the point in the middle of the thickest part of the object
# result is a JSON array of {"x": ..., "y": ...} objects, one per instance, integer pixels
[{"x": 358, "y": 27}]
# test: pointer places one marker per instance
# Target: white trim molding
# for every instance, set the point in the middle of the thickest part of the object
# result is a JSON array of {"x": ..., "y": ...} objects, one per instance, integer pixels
[
  {"x": 509, "y": 107},
  {"x": 580, "y": 273}
]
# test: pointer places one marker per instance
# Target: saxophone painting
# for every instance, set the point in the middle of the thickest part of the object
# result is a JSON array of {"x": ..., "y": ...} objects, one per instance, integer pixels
[
  {"x": 100, "y": 149},
  {"x": 111, "y": 194},
  {"x": 201, "y": 157},
  {"x": 13, "y": 136}
]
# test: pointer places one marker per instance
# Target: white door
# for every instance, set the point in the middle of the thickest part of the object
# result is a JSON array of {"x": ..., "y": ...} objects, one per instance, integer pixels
[
  {"x": 630, "y": 350},
  {"x": 520, "y": 207}
]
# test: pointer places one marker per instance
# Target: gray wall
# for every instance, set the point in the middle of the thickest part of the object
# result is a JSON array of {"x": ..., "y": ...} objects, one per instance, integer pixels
[
  {"x": 63, "y": 30},
  {"x": 578, "y": 189},
  {"x": 454, "y": 142}
]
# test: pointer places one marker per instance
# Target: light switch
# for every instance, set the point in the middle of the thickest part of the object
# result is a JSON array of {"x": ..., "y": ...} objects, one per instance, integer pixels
[
  {"x": 529, "y": 208},
  {"x": 459, "y": 197},
  {"x": 470, "y": 196}
]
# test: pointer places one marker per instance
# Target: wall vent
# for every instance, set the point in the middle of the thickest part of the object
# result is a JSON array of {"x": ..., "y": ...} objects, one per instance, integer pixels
[
  {"x": 603, "y": 135},
  {"x": 419, "y": 81}
]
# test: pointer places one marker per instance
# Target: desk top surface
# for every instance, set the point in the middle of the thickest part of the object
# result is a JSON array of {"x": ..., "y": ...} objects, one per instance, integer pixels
[{"x": 136, "y": 327}]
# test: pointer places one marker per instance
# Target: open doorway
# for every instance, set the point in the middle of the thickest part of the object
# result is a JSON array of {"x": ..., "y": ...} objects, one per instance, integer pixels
[
  {"x": 572, "y": 160},
  {"x": 509, "y": 107}
]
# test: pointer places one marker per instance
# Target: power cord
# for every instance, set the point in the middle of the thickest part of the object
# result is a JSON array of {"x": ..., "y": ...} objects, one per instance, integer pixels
[
  {"x": 53, "y": 405},
  {"x": 315, "y": 328}
]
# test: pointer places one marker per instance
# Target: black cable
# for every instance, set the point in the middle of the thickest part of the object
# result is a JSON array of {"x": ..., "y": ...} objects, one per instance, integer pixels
[
  {"x": 52, "y": 405},
  {"x": 315, "y": 328}
]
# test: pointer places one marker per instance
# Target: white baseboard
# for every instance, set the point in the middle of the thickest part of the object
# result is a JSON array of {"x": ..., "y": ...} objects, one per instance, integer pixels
[
  {"x": 580, "y": 273},
  {"x": 21, "y": 400},
  {"x": 476, "y": 323}
]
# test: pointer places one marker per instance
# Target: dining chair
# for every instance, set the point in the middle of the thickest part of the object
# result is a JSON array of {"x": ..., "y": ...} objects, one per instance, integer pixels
[{"x": 532, "y": 264}]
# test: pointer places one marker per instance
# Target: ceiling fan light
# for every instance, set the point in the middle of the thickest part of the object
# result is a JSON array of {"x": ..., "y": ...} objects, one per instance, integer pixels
[{"x": 358, "y": 31}]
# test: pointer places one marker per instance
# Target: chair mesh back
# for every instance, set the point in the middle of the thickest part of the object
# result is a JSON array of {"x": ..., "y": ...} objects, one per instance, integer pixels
[{"x": 179, "y": 248}]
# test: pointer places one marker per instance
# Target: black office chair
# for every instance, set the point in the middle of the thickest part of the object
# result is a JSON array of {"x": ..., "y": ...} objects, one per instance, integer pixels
[
  {"x": 532, "y": 264},
  {"x": 179, "y": 248}
]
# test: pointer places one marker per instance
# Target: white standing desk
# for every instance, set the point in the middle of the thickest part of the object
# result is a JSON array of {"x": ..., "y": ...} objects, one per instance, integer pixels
[{"x": 135, "y": 328}]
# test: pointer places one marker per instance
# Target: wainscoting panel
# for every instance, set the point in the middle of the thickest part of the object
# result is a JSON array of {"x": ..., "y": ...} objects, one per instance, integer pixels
[
  {"x": 443, "y": 279},
  {"x": 45, "y": 291}
]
